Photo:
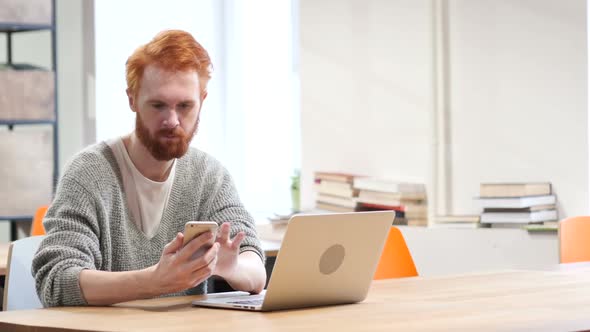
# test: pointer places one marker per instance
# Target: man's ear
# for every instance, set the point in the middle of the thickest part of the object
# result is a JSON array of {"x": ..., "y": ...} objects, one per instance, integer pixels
[
  {"x": 203, "y": 95},
  {"x": 131, "y": 99}
]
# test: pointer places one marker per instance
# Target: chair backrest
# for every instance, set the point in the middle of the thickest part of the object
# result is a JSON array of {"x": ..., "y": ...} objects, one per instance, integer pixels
[
  {"x": 19, "y": 287},
  {"x": 396, "y": 260},
  {"x": 574, "y": 239},
  {"x": 37, "y": 227}
]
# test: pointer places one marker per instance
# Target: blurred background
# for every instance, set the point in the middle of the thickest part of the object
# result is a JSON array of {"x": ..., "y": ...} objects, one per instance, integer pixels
[{"x": 450, "y": 94}]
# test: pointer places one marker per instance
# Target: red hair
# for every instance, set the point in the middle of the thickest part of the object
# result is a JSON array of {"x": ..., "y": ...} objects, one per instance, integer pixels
[{"x": 173, "y": 50}]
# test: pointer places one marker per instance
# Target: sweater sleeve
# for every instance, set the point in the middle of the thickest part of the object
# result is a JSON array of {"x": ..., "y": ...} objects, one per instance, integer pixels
[
  {"x": 71, "y": 245},
  {"x": 227, "y": 207}
]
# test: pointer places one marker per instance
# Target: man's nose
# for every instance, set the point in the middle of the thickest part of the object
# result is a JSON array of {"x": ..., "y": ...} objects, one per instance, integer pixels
[{"x": 171, "y": 120}]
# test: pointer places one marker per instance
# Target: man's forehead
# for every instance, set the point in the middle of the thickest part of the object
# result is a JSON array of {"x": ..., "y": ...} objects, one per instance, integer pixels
[
  {"x": 155, "y": 72},
  {"x": 159, "y": 81}
]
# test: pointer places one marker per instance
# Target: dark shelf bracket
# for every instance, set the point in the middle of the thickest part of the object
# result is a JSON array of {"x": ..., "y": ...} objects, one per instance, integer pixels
[
  {"x": 23, "y": 27},
  {"x": 9, "y": 48}
]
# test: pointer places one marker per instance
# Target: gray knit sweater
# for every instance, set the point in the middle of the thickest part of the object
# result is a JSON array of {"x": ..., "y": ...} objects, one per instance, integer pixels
[{"x": 89, "y": 225}]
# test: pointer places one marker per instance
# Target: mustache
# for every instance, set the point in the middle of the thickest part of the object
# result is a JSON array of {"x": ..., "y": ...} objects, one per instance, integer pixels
[{"x": 177, "y": 131}]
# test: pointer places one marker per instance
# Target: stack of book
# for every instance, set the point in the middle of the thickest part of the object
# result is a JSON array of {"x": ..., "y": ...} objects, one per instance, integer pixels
[
  {"x": 458, "y": 221},
  {"x": 408, "y": 200},
  {"x": 518, "y": 205},
  {"x": 335, "y": 192}
]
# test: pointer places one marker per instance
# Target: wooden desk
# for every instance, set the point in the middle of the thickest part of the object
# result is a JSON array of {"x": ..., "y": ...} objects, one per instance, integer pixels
[{"x": 510, "y": 300}]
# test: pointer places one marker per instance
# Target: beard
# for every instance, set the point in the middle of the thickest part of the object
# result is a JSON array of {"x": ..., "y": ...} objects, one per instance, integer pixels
[{"x": 165, "y": 150}]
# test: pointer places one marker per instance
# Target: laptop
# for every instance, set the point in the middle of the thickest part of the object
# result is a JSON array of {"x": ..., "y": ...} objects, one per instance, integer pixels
[{"x": 324, "y": 259}]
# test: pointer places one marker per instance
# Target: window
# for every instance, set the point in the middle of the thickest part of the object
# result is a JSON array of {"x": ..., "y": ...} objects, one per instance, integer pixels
[{"x": 262, "y": 111}]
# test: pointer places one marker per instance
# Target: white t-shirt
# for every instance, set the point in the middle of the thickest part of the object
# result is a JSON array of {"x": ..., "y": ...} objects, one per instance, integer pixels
[{"x": 146, "y": 199}]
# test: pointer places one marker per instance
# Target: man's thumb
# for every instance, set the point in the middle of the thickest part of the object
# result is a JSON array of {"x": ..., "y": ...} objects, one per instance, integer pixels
[{"x": 174, "y": 245}]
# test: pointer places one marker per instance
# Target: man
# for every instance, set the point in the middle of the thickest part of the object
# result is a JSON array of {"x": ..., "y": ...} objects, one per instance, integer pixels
[{"x": 114, "y": 227}]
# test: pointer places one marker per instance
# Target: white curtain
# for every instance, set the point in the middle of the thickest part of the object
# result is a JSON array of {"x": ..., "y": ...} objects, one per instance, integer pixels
[{"x": 262, "y": 111}]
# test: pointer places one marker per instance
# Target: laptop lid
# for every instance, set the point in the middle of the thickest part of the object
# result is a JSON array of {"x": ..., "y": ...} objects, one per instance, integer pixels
[{"x": 327, "y": 259}]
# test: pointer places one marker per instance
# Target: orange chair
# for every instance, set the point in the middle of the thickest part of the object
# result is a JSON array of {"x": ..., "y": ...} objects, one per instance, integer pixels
[
  {"x": 574, "y": 239},
  {"x": 396, "y": 260},
  {"x": 37, "y": 227}
]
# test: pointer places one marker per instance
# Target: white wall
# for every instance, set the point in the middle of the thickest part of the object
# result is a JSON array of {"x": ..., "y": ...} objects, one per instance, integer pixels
[
  {"x": 517, "y": 109},
  {"x": 366, "y": 89},
  {"x": 518, "y": 85},
  {"x": 76, "y": 120}
]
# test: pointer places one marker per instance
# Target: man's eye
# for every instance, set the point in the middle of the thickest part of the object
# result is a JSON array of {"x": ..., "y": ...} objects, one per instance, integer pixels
[{"x": 158, "y": 106}]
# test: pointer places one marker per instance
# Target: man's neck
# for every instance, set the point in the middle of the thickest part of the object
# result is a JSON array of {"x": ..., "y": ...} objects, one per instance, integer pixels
[{"x": 143, "y": 160}]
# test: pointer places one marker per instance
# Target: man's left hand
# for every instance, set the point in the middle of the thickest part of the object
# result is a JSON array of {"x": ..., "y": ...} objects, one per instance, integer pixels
[{"x": 229, "y": 250}]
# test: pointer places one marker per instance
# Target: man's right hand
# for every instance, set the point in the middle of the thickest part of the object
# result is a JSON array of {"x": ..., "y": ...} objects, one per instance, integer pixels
[{"x": 178, "y": 270}]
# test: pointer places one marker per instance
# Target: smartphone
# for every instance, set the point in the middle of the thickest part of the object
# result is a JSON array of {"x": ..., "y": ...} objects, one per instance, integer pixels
[{"x": 192, "y": 229}]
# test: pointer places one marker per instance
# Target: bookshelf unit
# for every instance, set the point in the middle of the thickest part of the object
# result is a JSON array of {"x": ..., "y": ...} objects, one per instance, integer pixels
[{"x": 29, "y": 114}]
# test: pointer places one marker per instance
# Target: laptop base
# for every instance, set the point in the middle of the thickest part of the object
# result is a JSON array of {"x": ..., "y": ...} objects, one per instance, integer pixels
[{"x": 233, "y": 300}]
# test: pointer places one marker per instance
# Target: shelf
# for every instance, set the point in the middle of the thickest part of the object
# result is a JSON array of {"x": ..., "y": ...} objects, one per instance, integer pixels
[
  {"x": 33, "y": 104},
  {"x": 26, "y": 122},
  {"x": 16, "y": 218},
  {"x": 19, "y": 27}
]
